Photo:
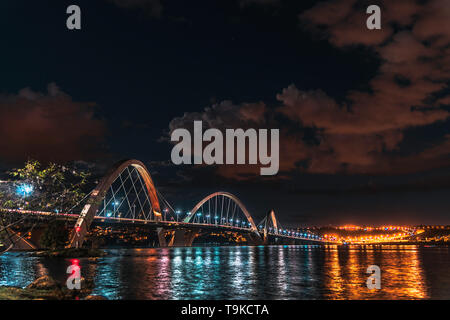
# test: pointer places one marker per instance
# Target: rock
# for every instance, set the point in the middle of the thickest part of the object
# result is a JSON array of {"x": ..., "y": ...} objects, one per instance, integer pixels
[
  {"x": 44, "y": 283},
  {"x": 87, "y": 283},
  {"x": 95, "y": 297}
]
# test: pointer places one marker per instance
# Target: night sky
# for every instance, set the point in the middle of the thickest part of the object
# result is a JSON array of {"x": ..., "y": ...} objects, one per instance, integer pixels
[{"x": 363, "y": 114}]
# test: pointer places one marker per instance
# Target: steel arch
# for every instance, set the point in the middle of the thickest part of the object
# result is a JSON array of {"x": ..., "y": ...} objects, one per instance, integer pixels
[
  {"x": 230, "y": 196},
  {"x": 89, "y": 210},
  {"x": 274, "y": 219}
]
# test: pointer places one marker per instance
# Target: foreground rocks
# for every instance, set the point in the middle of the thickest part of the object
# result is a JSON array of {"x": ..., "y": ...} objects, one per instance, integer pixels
[
  {"x": 46, "y": 288},
  {"x": 93, "y": 297},
  {"x": 44, "y": 283}
]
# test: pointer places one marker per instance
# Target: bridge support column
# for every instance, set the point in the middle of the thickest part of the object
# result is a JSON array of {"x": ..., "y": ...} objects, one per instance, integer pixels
[
  {"x": 255, "y": 240},
  {"x": 183, "y": 238},
  {"x": 162, "y": 237},
  {"x": 265, "y": 238}
]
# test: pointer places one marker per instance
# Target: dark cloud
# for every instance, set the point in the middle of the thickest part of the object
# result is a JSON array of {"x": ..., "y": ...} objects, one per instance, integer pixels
[
  {"x": 244, "y": 3},
  {"x": 373, "y": 122},
  {"x": 48, "y": 127},
  {"x": 153, "y": 7},
  {"x": 225, "y": 114},
  {"x": 363, "y": 134}
]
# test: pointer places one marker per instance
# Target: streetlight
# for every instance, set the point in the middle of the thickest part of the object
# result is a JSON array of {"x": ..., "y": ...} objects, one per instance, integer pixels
[
  {"x": 25, "y": 189},
  {"x": 165, "y": 213},
  {"x": 115, "y": 204}
]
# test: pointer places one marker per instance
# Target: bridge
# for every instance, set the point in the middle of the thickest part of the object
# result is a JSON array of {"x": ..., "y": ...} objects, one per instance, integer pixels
[{"x": 126, "y": 195}]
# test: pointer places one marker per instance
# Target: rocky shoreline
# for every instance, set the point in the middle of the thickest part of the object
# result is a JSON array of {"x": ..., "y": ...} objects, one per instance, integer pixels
[{"x": 46, "y": 288}]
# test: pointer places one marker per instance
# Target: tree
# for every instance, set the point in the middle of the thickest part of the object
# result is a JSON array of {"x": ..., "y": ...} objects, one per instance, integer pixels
[
  {"x": 55, "y": 235},
  {"x": 54, "y": 188}
]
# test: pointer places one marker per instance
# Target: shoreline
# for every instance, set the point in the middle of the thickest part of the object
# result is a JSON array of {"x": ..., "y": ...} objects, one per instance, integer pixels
[
  {"x": 46, "y": 288},
  {"x": 100, "y": 252}
]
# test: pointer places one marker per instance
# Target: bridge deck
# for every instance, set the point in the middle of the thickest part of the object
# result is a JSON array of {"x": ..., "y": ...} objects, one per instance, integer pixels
[{"x": 167, "y": 224}]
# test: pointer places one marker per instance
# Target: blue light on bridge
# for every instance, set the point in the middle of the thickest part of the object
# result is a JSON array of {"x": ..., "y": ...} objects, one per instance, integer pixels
[{"x": 25, "y": 190}]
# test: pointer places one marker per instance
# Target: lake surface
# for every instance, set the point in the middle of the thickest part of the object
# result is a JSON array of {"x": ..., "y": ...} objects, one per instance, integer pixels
[{"x": 272, "y": 272}]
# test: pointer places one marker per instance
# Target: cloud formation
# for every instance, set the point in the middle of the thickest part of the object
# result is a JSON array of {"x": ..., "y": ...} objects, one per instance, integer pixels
[
  {"x": 363, "y": 134},
  {"x": 48, "y": 127}
]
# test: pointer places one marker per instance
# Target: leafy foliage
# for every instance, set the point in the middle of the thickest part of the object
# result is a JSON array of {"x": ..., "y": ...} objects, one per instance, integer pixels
[
  {"x": 55, "y": 235},
  {"x": 56, "y": 187}
]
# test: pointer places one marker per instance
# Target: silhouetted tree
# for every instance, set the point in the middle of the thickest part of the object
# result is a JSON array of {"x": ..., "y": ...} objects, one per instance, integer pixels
[
  {"x": 55, "y": 236},
  {"x": 54, "y": 188}
]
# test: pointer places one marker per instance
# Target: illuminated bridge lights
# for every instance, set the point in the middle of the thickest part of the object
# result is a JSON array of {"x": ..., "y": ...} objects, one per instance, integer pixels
[{"x": 129, "y": 187}]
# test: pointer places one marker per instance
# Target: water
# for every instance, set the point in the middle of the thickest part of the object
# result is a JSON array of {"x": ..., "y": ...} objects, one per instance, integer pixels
[{"x": 273, "y": 272}]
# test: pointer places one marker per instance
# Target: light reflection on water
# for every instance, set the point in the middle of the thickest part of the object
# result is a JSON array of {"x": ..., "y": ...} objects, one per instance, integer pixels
[{"x": 273, "y": 272}]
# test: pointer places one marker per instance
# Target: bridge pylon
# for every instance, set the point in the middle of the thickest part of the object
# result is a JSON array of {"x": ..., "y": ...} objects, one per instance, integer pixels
[
  {"x": 183, "y": 237},
  {"x": 269, "y": 223}
]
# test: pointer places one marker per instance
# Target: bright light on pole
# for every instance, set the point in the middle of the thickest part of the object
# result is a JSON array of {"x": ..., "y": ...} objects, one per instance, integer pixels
[{"x": 25, "y": 190}]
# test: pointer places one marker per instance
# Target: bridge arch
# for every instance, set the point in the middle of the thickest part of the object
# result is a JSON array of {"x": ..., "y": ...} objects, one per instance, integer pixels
[
  {"x": 269, "y": 224},
  {"x": 272, "y": 217},
  {"x": 236, "y": 200},
  {"x": 98, "y": 194}
]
